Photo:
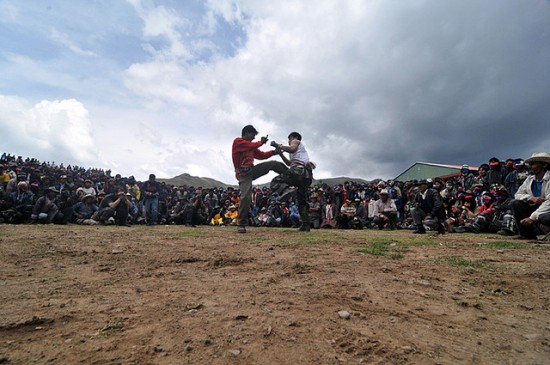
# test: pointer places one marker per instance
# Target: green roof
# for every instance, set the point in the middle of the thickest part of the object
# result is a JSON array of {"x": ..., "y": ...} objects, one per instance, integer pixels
[{"x": 426, "y": 170}]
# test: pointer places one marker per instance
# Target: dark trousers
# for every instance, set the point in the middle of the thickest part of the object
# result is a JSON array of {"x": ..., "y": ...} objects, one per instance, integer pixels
[
  {"x": 521, "y": 210},
  {"x": 299, "y": 177}
]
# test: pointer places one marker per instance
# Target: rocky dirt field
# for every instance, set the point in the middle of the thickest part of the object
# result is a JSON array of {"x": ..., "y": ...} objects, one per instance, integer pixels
[{"x": 207, "y": 295}]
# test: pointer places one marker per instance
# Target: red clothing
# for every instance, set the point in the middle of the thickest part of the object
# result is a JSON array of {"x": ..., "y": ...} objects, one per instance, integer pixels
[
  {"x": 244, "y": 152},
  {"x": 484, "y": 208}
]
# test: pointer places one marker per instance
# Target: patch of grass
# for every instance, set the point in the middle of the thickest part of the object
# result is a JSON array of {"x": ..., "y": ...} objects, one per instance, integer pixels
[
  {"x": 503, "y": 244},
  {"x": 382, "y": 249},
  {"x": 308, "y": 239},
  {"x": 109, "y": 329},
  {"x": 404, "y": 241},
  {"x": 192, "y": 233},
  {"x": 461, "y": 261}
]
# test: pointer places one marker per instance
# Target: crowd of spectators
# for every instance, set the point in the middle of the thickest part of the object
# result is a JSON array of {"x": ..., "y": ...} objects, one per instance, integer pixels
[{"x": 476, "y": 200}]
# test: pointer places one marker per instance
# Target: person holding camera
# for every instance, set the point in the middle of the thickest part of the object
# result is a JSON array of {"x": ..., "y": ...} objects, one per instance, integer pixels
[
  {"x": 244, "y": 152},
  {"x": 114, "y": 208}
]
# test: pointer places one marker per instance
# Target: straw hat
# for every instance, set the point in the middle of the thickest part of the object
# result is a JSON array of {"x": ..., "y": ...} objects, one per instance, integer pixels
[{"x": 539, "y": 157}]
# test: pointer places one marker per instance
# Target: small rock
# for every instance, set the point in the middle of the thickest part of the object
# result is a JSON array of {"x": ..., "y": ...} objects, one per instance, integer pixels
[
  {"x": 116, "y": 252},
  {"x": 158, "y": 349},
  {"x": 407, "y": 349},
  {"x": 188, "y": 348},
  {"x": 531, "y": 336},
  {"x": 268, "y": 331},
  {"x": 234, "y": 353},
  {"x": 344, "y": 314}
]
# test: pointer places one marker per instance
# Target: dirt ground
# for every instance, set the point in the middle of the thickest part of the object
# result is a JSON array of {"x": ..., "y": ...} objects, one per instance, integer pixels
[{"x": 207, "y": 295}]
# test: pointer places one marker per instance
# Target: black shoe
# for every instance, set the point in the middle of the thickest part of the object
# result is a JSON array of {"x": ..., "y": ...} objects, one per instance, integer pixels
[
  {"x": 459, "y": 229},
  {"x": 505, "y": 232},
  {"x": 420, "y": 229},
  {"x": 520, "y": 237},
  {"x": 241, "y": 229},
  {"x": 304, "y": 229}
]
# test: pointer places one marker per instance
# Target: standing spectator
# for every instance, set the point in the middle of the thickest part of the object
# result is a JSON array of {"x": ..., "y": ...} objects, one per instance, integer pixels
[
  {"x": 151, "y": 191},
  {"x": 496, "y": 174},
  {"x": 466, "y": 178},
  {"x": 244, "y": 151},
  {"x": 315, "y": 212},
  {"x": 328, "y": 213},
  {"x": 531, "y": 206},
  {"x": 4, "y": 178}
]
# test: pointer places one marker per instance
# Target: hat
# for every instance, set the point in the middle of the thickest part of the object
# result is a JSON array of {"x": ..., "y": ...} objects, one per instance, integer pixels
[
  {"x": 87, "y": 196},
  {"x": 232, "y": 206},
  {"x": 543, "y": 157},
  {"x": 422, "y": 182},
  {"x": 249, "y": 129},
  {"x": 384, "y": 192},
  {"x": 52, "y": 188}
]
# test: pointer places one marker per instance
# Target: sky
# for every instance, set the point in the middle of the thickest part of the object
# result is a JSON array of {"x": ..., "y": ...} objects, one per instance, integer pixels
[{"x": 373, "y": 86}]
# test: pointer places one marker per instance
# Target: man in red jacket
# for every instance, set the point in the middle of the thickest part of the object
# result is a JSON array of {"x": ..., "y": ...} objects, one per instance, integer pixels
[{"x": 244, "y": 152}]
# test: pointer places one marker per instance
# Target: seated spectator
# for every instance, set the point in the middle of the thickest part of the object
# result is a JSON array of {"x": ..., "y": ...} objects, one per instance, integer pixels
[
  {"x": 531, "y": 206},
  {"x": 86, "y": 189},
  {"x": 294, "y": 215},
  {"x": 21, "y": 203},
  {"x": 491, "y": 219},
  {"x": 114, "y": 208},
  {"x": 276, "y": 212},
  {"x": 232, "y": 216},
  {"x": 347, "y": 213},
  {"x": 463, "y": 212},
  {"x": 216, "y": 219},
  {"x": 427, "y": 209},
  {"x": 514, "y": 179},
  {"x": 385, "y": 211},
  {"x": 85, "y": 211},
  {"x": 45, "y": 210}
]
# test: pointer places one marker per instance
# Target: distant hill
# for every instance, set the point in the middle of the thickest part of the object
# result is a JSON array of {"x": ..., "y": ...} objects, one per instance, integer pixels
[
  {"x": 339, "y": 180},
  {"x": 186, "y": 179},
  {"x": 205, "y": 182}
]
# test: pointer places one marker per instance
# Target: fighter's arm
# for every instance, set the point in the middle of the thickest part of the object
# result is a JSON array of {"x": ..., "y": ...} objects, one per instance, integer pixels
[
  {"x": 292, "y": 147},
  {"x": 284, "y": 158}
]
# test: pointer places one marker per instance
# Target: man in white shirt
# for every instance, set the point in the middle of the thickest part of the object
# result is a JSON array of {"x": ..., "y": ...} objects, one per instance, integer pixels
[
  {"x": 385, "y": 211},
  {"x": 298, "y": 175}
]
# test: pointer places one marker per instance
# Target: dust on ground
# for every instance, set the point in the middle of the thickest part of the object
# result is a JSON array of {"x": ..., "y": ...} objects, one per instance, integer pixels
[{"x": 208, "y": 295}]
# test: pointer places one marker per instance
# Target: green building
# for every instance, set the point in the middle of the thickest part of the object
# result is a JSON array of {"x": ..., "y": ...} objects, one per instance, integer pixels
[{"x": 426, "y": 170}]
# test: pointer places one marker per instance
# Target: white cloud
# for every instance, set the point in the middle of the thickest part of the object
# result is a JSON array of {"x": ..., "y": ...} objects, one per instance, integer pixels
[
  {"x": 58, "y": 130},
  {"x": 65, "y": 40},
  {"x": 372, "y": 86}
]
